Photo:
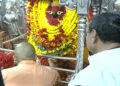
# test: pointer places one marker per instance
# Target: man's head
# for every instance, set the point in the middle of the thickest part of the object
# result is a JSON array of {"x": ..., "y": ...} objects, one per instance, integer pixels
[
  {"x": 103, "y": 32},
  {"x": 24, "y": 51}
]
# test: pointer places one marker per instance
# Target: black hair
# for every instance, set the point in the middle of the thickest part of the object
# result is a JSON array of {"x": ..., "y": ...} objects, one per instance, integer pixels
[{"x": 107, "y": 26}]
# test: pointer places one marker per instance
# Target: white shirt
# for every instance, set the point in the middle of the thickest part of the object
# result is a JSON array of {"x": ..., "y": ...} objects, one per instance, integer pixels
[{"x": 104, "y": 70}]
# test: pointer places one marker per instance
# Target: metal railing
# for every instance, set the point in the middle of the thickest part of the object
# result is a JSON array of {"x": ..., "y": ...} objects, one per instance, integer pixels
[
  {"x": 55, "y": 57},
  {"x": 14, "y": 39},
  {"x": 58, "y": 57}
]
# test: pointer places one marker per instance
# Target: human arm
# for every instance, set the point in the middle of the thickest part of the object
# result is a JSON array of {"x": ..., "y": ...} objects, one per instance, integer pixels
[{"x": 51, "y": 76}]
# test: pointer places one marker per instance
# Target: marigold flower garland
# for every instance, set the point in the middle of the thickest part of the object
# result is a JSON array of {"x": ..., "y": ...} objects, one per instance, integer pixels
[
  {"x": 49, "y": 39},
  {"x": 53, "y": 36}
]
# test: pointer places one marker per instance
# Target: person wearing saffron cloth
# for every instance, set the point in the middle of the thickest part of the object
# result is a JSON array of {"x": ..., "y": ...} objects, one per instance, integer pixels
[
  {"x": 27, "y": 72},
  {"x": 103, "y": 40}
]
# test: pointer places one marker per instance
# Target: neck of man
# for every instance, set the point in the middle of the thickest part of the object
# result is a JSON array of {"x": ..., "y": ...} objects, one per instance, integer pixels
[{"x": 106, "y": 46}]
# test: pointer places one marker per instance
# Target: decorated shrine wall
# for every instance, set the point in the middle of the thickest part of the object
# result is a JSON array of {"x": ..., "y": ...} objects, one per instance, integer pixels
[
  {"x": 49, "y": 26},
  {"x": 52, "y": 30}
]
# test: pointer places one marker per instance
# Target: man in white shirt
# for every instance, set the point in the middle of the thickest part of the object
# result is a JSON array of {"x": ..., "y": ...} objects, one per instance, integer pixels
[{"x": 103, "y": 40}]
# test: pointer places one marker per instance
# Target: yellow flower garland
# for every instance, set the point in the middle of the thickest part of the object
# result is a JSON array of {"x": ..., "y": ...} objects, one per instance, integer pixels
[{"x": 36, "y": 18}]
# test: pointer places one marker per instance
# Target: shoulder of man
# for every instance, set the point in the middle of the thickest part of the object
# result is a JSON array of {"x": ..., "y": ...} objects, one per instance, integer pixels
[
  {"x": 7, "y": 72},
  {"x": 86, "y": 77}
]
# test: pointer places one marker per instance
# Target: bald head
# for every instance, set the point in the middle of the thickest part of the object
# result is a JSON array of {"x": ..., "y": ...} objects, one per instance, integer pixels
[{"x": 24, "y": 51}]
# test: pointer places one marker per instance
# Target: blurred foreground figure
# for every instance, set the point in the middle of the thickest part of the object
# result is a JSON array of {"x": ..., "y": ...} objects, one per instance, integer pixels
[
  {"x": 28, "y": 73},
  {"x": 1, "y": 79},
  {"x": 103, "y": 40}
]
